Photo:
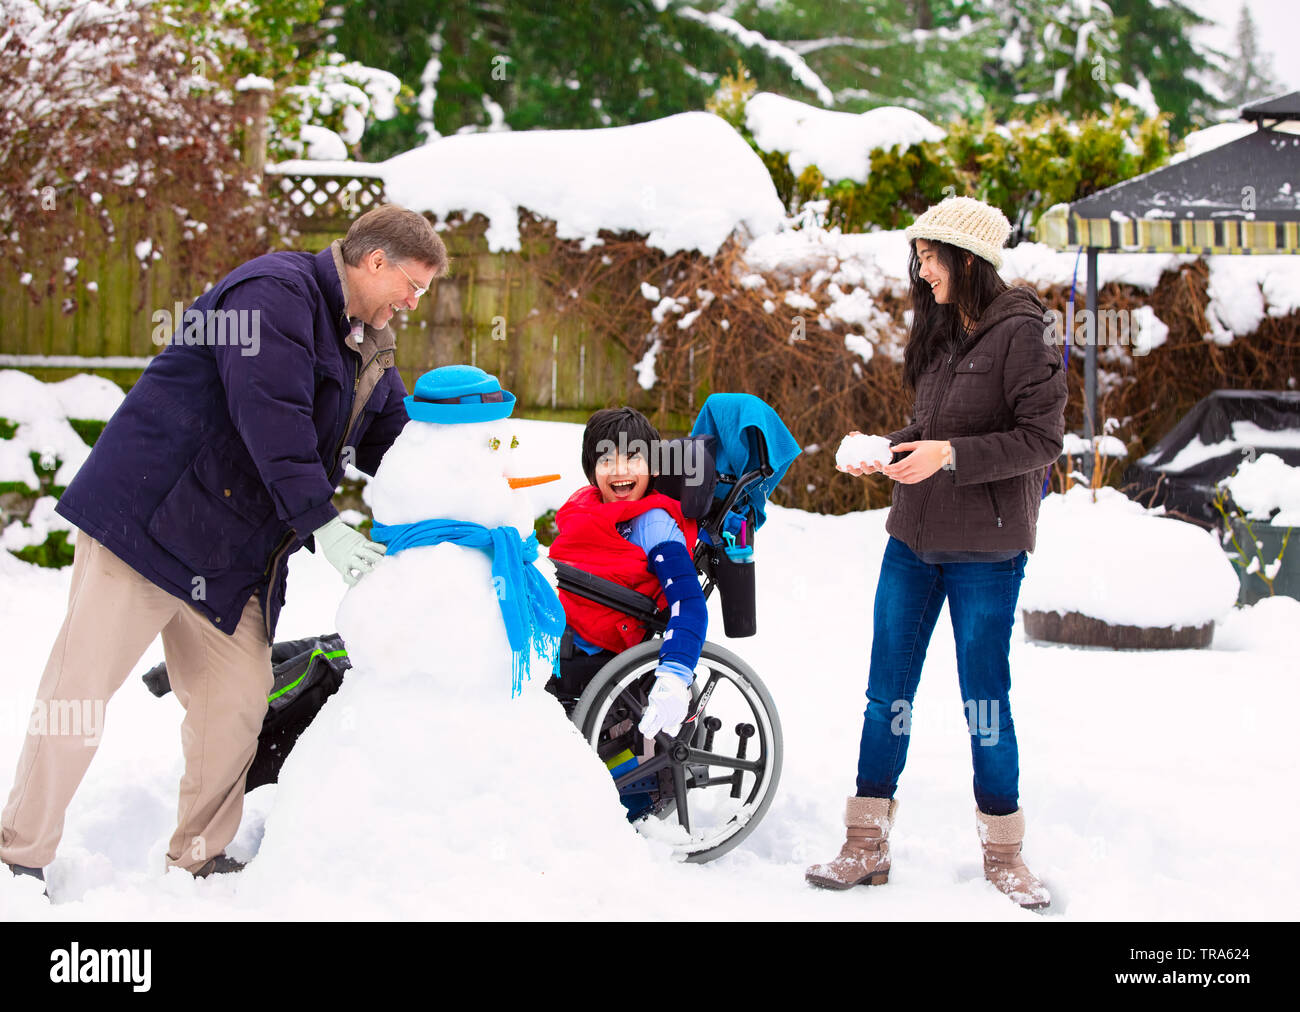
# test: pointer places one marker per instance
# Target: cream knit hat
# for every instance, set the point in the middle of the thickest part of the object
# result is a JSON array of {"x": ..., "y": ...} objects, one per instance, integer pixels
[{"x": 965, "y": 222}]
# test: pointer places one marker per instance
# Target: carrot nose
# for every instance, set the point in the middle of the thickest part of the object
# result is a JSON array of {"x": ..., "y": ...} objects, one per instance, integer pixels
[{"x": 540, "y": 479}]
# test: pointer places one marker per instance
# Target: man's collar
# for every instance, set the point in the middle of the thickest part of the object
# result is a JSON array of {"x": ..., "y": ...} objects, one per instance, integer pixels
[
  {"x": 330, "y": 262},
  {"x": 333, "y": 280}
]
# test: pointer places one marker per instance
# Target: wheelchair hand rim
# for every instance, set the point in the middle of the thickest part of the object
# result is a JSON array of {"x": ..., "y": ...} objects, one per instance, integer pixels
[{"x": 715, "y": 662}]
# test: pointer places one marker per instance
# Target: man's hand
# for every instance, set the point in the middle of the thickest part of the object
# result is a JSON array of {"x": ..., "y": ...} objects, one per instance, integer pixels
[
  {"x": 927, "y": 456},
  {"x": 351, "y": 553},
  {"x": 670, "y": 699}
]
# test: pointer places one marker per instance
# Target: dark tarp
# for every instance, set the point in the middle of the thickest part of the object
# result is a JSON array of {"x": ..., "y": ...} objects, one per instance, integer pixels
[{"x": 1190, "y": 490}]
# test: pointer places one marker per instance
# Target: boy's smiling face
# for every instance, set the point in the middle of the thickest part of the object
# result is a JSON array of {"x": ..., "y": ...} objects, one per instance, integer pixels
[{"x": 622, "y": 478}]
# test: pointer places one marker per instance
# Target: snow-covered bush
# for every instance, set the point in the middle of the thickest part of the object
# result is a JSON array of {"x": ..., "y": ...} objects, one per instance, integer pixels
[
  {"x": 1026, "y": 167},
  {"x": 46, "y": 433},
  {"x": 285, "y": 44},
  {"x": 105, "y": 105},
  {"x": 1265, "y": 491},
  {"x": 881, "y": 168},
  {"x": 1104, "y": 556},
  {"x": 342, "y": 97}
]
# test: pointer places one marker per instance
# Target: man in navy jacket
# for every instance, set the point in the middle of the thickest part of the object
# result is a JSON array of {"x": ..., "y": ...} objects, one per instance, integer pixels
[{"x": 220, "y": 463}]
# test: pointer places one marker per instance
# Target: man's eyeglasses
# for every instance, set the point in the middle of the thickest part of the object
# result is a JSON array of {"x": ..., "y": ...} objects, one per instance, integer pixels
[{"x": 418, "y": 290}]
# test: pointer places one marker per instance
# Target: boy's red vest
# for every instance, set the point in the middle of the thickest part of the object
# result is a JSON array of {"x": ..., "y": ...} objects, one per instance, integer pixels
[{"x": 588, "y": 538}]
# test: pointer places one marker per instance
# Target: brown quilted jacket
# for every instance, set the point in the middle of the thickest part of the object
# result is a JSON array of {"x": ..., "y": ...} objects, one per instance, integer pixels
[{"x": 1000, "y": 401}]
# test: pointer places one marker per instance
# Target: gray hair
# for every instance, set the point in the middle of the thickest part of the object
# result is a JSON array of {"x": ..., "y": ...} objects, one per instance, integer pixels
[{"x": 401, "y": 233}]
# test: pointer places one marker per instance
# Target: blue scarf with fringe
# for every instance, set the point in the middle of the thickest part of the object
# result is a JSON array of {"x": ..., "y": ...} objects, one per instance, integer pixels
[{"x": 530, "y": 608}]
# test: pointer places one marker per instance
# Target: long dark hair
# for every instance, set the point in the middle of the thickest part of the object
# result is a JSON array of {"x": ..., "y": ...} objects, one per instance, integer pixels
[{"x": 937, "y": 328}]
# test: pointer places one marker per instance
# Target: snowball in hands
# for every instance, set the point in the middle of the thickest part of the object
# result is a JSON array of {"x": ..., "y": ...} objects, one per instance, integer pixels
[
  {"x": 859, "y": 451},
  {"x": 350, "y": 552},
  {"x": 670, "y": 698}
]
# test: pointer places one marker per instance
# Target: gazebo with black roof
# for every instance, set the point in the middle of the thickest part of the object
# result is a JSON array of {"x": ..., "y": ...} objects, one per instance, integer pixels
[{"x": 1240, "y": 197}]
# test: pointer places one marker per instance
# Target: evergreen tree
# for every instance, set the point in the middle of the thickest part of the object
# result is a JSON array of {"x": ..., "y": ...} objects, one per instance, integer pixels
[
  {"x": 1248, "y": 76},
  {"x": 546, "y": 63},
  {"x": 1155, "y": 48},
  {"x": 524, "y": 64},
  {"x": 924, "y": 55},
  {"x": 590, "y": 63},
  {"x": 1061, "y": 57}
]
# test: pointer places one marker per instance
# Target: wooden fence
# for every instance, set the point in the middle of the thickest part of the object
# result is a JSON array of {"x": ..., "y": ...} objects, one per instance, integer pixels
[{"x": 491, "y": 310}]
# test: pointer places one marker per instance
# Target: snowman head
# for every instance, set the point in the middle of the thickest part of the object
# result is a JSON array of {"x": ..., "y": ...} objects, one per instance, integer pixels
[{"x": 452, "y": 461}]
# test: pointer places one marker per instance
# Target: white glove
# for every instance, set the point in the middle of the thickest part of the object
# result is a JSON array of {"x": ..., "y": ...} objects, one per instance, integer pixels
[
  {"x": 350, "y": 552},
  {"x": 670, "y": 699}
]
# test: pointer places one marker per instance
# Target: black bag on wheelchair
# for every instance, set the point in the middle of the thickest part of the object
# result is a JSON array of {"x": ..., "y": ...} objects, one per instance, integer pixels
[{"x": 307, "y": 672}]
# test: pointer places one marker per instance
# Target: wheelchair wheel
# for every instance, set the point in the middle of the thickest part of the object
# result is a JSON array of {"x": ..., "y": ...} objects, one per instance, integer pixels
[{"x": 713, "y": 781}]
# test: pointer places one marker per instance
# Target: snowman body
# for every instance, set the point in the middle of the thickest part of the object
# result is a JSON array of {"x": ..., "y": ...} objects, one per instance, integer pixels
[{"x": 423, "y": 789}]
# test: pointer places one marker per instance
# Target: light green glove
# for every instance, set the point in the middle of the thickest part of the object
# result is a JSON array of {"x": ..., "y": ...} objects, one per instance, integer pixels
[{"x": 351, "y": 553}]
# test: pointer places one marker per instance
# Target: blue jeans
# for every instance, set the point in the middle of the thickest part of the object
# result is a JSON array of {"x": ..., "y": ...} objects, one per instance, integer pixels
[{"x": 982, "y": 600}]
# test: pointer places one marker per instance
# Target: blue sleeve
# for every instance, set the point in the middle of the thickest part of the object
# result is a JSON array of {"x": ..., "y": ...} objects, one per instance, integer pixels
[
  {"x": 688, "y": 619},
  {"x": 653, "y": 527}
]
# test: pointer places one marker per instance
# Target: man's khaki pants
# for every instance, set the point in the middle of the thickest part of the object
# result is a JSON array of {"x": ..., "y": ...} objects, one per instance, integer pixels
[{"x": 222, "y": 682}]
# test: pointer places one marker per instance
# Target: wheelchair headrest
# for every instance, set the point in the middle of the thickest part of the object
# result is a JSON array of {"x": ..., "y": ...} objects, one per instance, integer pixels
[{"x": 688, "y": 473}]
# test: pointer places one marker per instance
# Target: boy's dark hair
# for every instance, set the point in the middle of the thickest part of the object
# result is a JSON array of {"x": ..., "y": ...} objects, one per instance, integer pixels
[{"x": 614, "y": 428}]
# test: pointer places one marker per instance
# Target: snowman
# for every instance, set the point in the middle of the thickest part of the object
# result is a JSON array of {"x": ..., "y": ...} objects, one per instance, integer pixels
[{"x": 442, "y": 780}]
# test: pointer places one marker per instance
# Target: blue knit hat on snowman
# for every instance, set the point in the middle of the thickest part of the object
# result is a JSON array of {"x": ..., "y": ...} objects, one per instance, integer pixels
[{"x": 456, "y": 394}]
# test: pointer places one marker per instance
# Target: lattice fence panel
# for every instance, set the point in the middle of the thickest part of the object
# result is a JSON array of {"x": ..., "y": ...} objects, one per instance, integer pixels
[{"x": 323, "y": 201}]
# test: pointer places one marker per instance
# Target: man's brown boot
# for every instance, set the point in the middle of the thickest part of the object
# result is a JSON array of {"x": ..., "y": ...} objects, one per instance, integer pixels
[
  {"x": 219, "y": 865},
  {"x": 1002, "y": 837},
  {"x": 864, "y": 858}
]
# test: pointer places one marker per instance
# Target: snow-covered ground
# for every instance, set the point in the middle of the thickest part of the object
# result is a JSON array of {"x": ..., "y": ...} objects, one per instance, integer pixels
[{"x": 1157, "y": 785}]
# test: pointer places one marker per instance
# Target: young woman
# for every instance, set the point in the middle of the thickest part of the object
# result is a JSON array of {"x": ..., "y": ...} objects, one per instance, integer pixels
[{"x": 990, "y": 396}]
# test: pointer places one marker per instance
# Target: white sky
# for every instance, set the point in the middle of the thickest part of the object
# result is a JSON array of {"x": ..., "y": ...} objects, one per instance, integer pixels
[{"x": 1277, "y": 23}]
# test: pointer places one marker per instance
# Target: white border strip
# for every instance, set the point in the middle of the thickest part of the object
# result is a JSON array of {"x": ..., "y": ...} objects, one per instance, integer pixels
[{"x": 73, "y": 362}]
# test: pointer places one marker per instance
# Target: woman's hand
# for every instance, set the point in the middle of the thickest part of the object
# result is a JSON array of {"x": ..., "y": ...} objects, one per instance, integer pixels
[
  {"x": 855, "y": 469},
  {"x": 927, "y": 456}
]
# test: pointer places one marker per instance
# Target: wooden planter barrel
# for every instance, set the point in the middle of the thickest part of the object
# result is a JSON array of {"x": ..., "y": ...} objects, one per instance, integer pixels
[{"x": 1083, "y": 630}]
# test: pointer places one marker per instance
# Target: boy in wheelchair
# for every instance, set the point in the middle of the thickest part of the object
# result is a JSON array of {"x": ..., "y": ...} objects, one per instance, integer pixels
[
  {"x": 617, "y": 528},
  {"x": 695, "y": 759}
]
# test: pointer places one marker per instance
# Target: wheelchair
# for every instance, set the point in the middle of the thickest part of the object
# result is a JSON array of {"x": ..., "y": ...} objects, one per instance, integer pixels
[{"x": 704, "y": 789}]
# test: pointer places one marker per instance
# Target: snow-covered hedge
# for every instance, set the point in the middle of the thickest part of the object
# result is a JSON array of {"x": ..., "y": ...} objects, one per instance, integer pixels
[
  {"x": 46, "y": 431},
  {"x": 881, "y": 168},
  {"x": 685, "y": 182}
]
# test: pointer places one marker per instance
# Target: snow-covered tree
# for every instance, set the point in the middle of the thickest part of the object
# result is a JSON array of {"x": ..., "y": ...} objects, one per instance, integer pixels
[
  {"x": 283, "y": 45},
  {"x": 1248, "y": 76},
  {"x": 488, "y": 64},
  {"x": 1061, "y": 56},
  {"x": 105, "y": 105},
  {"x": 921, "y": 54},
  {"x": 1157, "y": 56}
]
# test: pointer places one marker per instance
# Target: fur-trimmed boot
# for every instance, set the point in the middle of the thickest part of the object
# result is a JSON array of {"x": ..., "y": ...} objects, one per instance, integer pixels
[
  {"x": 864, "y": 858},
  {"x": 1002, "y": 837}
]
